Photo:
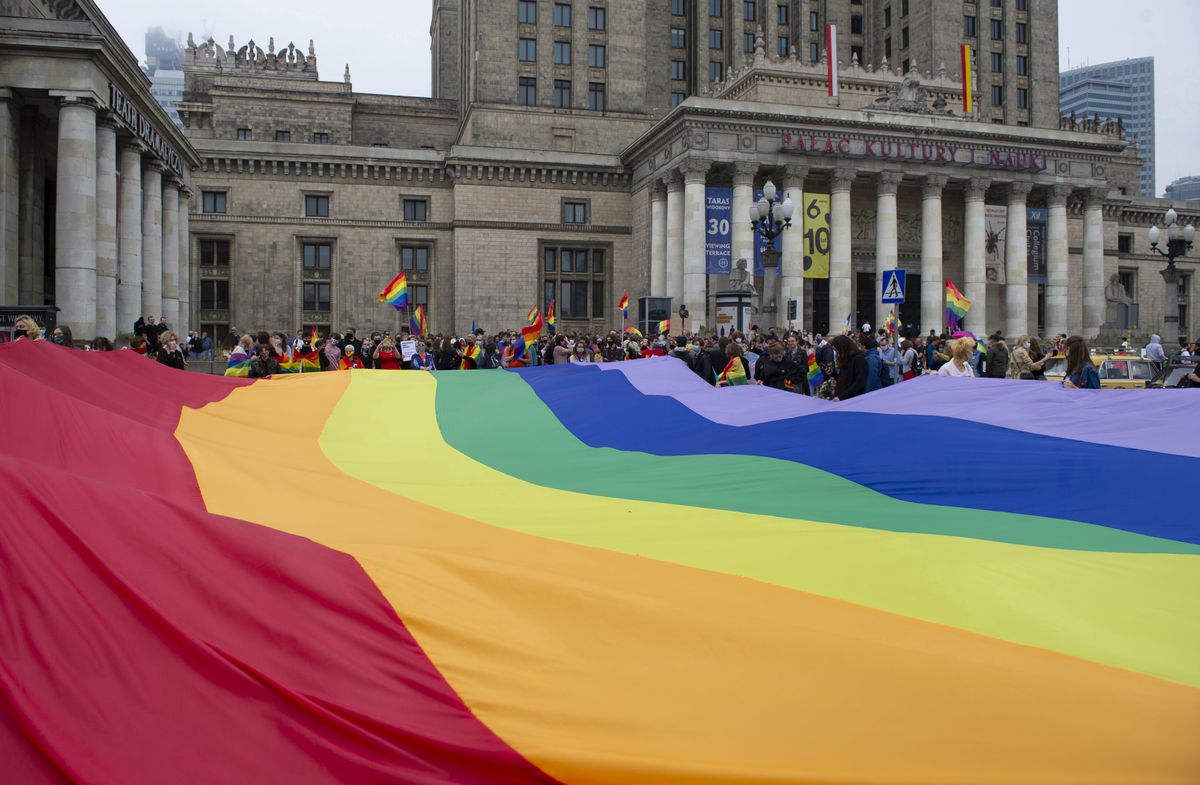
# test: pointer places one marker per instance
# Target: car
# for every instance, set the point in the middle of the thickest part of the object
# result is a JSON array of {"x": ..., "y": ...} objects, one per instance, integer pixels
[
  {"x": 1174, "y": 375},
  {"x": 1119, "y": 370}
]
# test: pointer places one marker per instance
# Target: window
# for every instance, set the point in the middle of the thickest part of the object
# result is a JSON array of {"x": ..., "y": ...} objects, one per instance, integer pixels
[
  {"x": 997, "y": 95},
  {"x": 814, "y": 51},
  {"x": 596, "y": 97},
  {"x": 997, "y": 29},
  {"x": 814, "y": 21},
  {"x": 214, "y": 295},
  {"x": 1022, "y": 5},
  {"x": 1022, "y": 33},
  {"x": 562, "y": 52},
  {"x": 1022, "y": 98},
  {"x": 562, "y": 15},
  {"x": 527, "y": 50},
  {"x": 715, "y": 8},
  {"x": 904, "y": 41},
  {"x": 715, "y": 39},
  {"x": 887, "y": 16},
  {"x": 527, "y": 91},
  {"x": 416, "y": 210},
  {"x": 678, "y": 8},
  {"x": 316, "y": 206},
  {"x": 596, "y": 55},
  {"x": 716, "y": 70},
  {"x": 317, "y": 256},
  {"x": 997, "y": 62},
  {"x": 904, "y": 66},
  {"x": 903, "y": 7},
  {"x": 781, "y": 46},
  {"x": 856, "y": 25},
  {"x": 887, "y": 47},
  {"x": 418, "y": 294},
  {"x": 676, "y": 99},
  {"x": 245, "y": 135},
  {"x": 562, "y": 93},
  {"x": 678, "y": 38},
  {"x": 856, "y": 53},
  {"x": 997, "y": 3},
  {"x": 283, "y": 136},
  {"x": 574, "y": 212},
  {"x": 214, "y": 253},
  {"x": 1022, "y": 65},
  {"x": 527, "y": 12},
  {"x": 969, "y": 26},
  {"x": 414, "y": 258},
  {"x": 1125, "y": 245},
  {"x": 574, "y": 278},
  {"x": 213, "y": 201},
  {"x": 316, "y": 296},
  {"x": 750, "y": 10},
  {"x": 748, "y": 42},
  {"x": 679, "y": 69},
  {"x": 597, "y": 18},
  {"x": 782, "y": 12},
  {"x": 320, "y": 137}
]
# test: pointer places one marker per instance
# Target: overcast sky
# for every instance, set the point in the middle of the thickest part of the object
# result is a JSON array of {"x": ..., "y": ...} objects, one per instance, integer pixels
[{"x": 387, "y": 46}]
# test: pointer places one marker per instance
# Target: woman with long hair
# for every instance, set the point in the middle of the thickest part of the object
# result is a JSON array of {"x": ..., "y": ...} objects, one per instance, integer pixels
[
  {"x": 960, "y": 359},
  {"x": 1039, "y": 357},
  {"x": 26, "y": 326},
  {"x": 851, "y": 368},
  {"x": 1081, "y": 371}
]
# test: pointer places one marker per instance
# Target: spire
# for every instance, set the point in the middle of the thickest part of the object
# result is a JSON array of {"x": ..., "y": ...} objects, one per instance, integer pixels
[{"x": 346, "y": 76}]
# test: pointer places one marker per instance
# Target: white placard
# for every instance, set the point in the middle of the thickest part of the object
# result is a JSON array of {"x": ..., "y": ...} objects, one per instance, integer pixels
[{"x": 407, "y": 350}]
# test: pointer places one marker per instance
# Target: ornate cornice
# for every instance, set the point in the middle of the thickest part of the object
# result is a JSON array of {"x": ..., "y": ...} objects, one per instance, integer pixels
[{"x": 200, "y": 220}]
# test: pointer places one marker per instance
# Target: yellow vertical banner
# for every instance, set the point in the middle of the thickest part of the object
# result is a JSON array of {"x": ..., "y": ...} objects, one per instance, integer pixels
[{"x": 816, "y": 235}]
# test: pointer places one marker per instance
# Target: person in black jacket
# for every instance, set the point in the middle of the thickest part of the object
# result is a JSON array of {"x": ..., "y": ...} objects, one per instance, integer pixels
[
  {"x": 171, "y": 354},
  {"x": 264, "y": 363},
  {"x": 775, "y": 368},
  {"x": 851, "y": 368}
]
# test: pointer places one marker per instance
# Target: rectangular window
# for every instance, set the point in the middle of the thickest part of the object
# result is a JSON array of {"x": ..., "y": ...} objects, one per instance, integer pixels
[
  {"x": 597, "y": 18},
  {"x": 904, "y": 39},
  {"x": 782, "y": 12},
  {"x": 414, "y": 258},
  {"x": 814, "y": 21},
  {"x": 1022, "y": 33},
  {"x": 903, "y": 7},
  {"x": 598, "y": 262},
  {"x": 781, "y": 46},
  {"x": 679, "y": 70},
  {"x": 416, "y": 209},
  {"x": 214, "y": 253},
  {"x": 677, "y": 99},
  {"x": 573, "y": 304},
  {"x": 887, "y": 16},
  {"x": 316, "y": 296},
  {"x": 887, "y": 47},
  {"x": 715, "y": 39},
  {"x": 283, "y": 136},
  {"x": 562, "y": 15},
  {"x": 527, "y": 12},
  {"x": 748, "y": 43},
  {"x": 213, "y": 201},
  {"x": 997, "y": 63},
  {"x": 550, "y": 262},
  {"x": 678, "y": 38},
  {"x": 716, "y": 8},
  {"x": 596, "y": 56},
  {"x": 856, "y": 25},
  {"x": 997, "y": 3},
  {"x": 1022, "y": 98},
  {"x": 904, "y": 66},
  {"x": 320, "y": 137},
  {"x": 1022, "y": 5},
  {"x": 562, "y": 93},
  {"x": 997, "y": 29},
  {"x": 678, "y": 8},
  {"x": 750, "y": 10},
  {"x": 245, "y": 135},
  {"x": 316, "y": 206},
  {"x": 1022, "y": 65},
  {"x": 997, "y": 95},
  {"x": 527, "y": 50},
  {"x": 527, "y": 91},
  {"x": 214, "y": 295},
  {"x": 574, "y": 212},
  {"x": 597, "y": 101},
  {"x": 562, "y": 52},
  {"x": 856, "y": 54},
  {"x": 969, "y": 26},
  {"x": 317, "y": 256},
  {"x": 419, "y": 295},
  {"x": 1125, "y": 245},
  {"x": 598, "y": 297},
  {"x": 814, "y": 51},
  {"x": 716, "y": 70}
]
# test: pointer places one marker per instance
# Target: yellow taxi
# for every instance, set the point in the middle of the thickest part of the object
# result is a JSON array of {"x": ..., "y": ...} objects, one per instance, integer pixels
[{"x": 1120, "y": 370}]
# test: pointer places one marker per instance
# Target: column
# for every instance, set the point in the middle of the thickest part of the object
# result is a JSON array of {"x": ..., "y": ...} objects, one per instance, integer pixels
[
  {"x": 1016, "y": 264},
  {"x": 675, "y": 238},
  {"x": 933, "y": 290},
  {"x": 743, "y": 195},
  {"x": 129, "y": 248},
  {"x": 791, "y": 246},
  {"x": 840, "y": 303},
  {"x": 886, "y": 256},
  {"x": 106, "y": 227},
  {"x": 75, "y": 218},
  {"x": 10, "y": 197},
  {"x": 1093, "y": 263},
  {"x": 185, "y": 265},
  {"x": 695, "y": 277},
  {"x": 1057, "y": 293},
  {"x": 974, "y": 253},
  {"x": 170, "y": 254},
  {"x": 658, "y": 239},
  {"x": 152, "y": 245}
]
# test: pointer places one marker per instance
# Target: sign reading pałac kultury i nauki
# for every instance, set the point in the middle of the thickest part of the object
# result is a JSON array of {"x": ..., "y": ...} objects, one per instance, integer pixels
[{"x": 918, "y": 150}]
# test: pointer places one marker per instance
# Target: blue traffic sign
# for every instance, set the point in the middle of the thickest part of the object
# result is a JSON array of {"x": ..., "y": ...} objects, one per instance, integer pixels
[{"x": 893, "y": 286}]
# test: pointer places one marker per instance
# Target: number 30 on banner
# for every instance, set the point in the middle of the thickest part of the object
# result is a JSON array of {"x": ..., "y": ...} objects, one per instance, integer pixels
[{"x": 718, "y": 227}]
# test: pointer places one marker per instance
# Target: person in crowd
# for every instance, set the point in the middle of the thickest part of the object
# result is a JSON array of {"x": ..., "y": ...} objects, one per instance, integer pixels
[
  {"x": 26, "y": 327},
  {"x": 1081, "y": 371},
  {"x": 733, "y": 353},
  {"x": 875, "y": 369},
  {"x": 960, "y": 359},
  {"x": 137, "y": 344},
  {"x": 264, "y": 363},
  {"x": 171, "y": 354},
  {"x": 1020, "y": 363},
  {"x": 422, "y": 360},
  {"x": 581, "y": 354},
  {"x": 153, "y": 332},
  {"x": 996, "y": 361},
  {"x": 386, "y": 356},
  {"x": 1038, "y": 359},
  {"x": 851, "y": 368},
  {"x": 935, "y": 357},
  {"x": 561, "y": 354},
  {"x": 908, "y": 360},
  {"x": 1153, "y": 351},
  {"x": 230, "y": 341},
  {"x": 447, "y": 357},
  {"x": 775, "y": 368},
  {"x": 101, "y": 344},
  {"x": 889, "y": 355},
  {"x": 333, "y": 354},
  {"x": 61, "y": 335},
  {"x": 243, "y": 350},
  {"x": 351, "y": 359}
]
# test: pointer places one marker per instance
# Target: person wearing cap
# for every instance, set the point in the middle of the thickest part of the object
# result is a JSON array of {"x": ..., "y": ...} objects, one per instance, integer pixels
[{"x": 996, "y": 362}]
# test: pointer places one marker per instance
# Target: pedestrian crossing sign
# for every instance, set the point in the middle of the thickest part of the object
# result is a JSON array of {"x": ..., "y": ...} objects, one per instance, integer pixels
[{"x": 893, "y": 286}]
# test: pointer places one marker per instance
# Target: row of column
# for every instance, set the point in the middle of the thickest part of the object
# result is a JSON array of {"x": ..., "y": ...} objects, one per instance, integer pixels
[
  {"x": 677, "y": 250},
  {"x": 105, "y": 278}
]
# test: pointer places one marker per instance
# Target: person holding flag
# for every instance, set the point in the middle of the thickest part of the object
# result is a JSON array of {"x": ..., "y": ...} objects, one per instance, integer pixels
[{"x": 737, "y": 371}]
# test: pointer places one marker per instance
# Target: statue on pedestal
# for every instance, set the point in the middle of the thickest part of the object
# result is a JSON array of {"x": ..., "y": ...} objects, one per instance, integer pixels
[
  {"x": 739, "y": 278},
  {"x": 1114, "y": 297}
]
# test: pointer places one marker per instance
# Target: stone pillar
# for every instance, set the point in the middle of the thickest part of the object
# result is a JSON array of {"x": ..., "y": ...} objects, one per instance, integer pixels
[
  {"x": 886, "y": 255},
  {"x": 129, "y": 255},
  {"x": 185, "y": 265},
  {"x": 75, "y": 218},
  {"x": 840, "y": 302},
  {"x": 658, "y": 239},
  {"x": 974, "y": 253},
  {"x": 170, "y": 254},
  {"x": 675, "y": 238},
  {"x": 1170, "y": 330},
  {"x": 695, "y": 276},
  {"x": 106, "y": 228},
  {"x": 791, "y": 246},
  {"x": 10, "y": 197},
  {"x": 1093, "y": 264},
  {"x": 743, "y": 196},
  {"x": 1016, "y": 264},
  {"x": 152, "y": 240},
  {"x": 933, "y": 289},
  {"x": 1057, "y": 293}
]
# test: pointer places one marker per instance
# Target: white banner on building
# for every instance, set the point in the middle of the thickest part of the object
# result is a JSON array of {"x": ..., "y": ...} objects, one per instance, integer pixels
[{"x": 995, "y": 223}]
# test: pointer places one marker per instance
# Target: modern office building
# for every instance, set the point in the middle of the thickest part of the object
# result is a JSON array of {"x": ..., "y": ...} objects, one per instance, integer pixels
[
  {"x": 1122, "y": 89},
  {"x": 1186, "y": 188},
  {"x": 167, "y": 88}
]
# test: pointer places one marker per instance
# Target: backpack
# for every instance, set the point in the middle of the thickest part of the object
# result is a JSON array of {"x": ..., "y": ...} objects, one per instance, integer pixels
[{"x": 918, "y": 363}]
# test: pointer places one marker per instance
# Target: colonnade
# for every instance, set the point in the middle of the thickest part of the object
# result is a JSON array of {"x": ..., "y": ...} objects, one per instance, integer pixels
[{"x": 678, "y": 263}]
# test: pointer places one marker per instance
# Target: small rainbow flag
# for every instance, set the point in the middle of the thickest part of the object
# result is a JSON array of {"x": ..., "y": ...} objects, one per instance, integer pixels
[
  {"x": 956, "y": 304},
  {"x": 815, "y": 377},
  {"x": 531, "y": 333},
  {"x": 891, "y": 323},
  {"x": 550, "y": 317},
  {"x": 312, "y": 339},
  {"x": 395, "y": 293},
  {"x": 734, "y": 373},
  {"x": 239, "y": 367},
  {"x": 634, "y": 331},
  {"x": 533, "y": 314},
  {"x": 624, "y": 305},
  {"x": 472, "y": 353},
  {"x": 417, "y": 322},
  {"x": 967, "y": 80},
  {"x": 664, "y": 327}
]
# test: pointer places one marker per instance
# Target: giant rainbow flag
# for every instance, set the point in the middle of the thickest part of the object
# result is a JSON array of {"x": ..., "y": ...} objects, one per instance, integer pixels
[{"x": 716, "y": 586}]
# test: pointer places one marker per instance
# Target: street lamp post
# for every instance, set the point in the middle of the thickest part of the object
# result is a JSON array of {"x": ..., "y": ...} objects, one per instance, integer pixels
[
  {"x": 768, "y": 219},
  {"x": 1179, "y": 242}
]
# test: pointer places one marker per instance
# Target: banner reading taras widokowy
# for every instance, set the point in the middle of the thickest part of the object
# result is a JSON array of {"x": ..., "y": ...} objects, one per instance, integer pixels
[{"x": 718, "y": 230}]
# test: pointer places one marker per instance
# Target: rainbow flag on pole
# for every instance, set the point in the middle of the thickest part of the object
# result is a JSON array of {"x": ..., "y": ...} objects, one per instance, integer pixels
[
  {"x": 664, "y": 327},
  {"x": 550, "y": 317},
  {"x": 395, "y": 293},
  {"x": 416, "y": 322},
  {"x": 891, "y": 323},
  {"x": 624, "y": 305},
  {"x": 957, "y": 305},
  {"x": 533, "y": 314}
]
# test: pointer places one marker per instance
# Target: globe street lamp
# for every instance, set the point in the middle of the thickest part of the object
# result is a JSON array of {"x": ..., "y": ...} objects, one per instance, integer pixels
[
  {"x": 768, "y": 219},
  {"x": 1179, "y": 242}
]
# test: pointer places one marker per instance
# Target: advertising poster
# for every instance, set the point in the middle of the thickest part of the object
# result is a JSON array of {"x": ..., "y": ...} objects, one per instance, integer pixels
[
  {"x": 1035, "y": 234},
  {"x": 718, "y": 231},
  {"x": 995, "y": 226},
  {"x": 816, "y": 235}
]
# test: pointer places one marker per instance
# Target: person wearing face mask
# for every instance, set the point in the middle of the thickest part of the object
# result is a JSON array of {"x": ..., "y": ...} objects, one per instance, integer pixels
[
  {"x": 1020, "y": 363},
  {"x": 62, "y": 336},
  {"x": 890, "y": 359},
  {"x": 171, "y": 355},
  {"x": 581, "y": 354},
  {"x": 26, "y": 327}
]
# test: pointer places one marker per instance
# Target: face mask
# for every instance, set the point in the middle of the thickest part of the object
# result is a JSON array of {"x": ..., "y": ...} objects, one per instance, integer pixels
[
  {"x": 58, "y": 339},
  {"x": 1026, "y": 344}
]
